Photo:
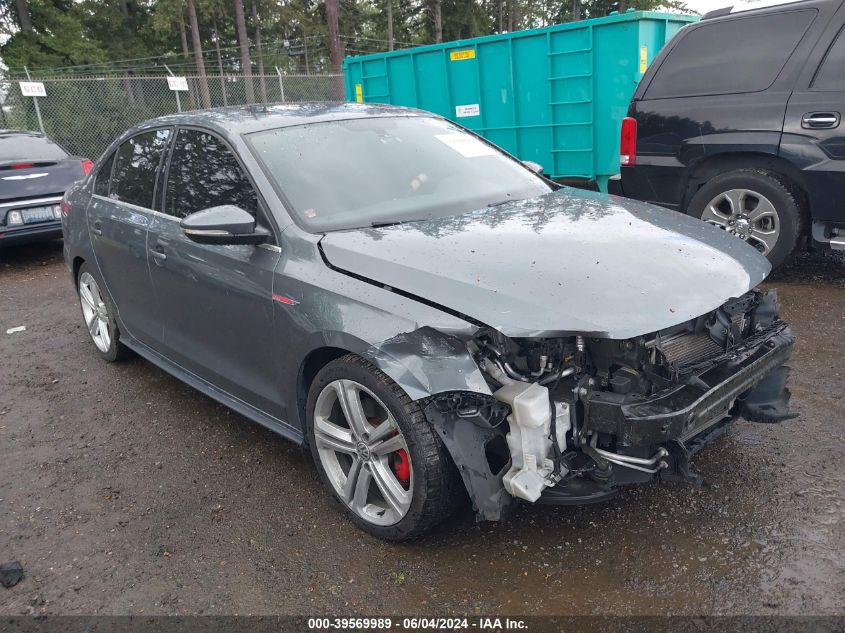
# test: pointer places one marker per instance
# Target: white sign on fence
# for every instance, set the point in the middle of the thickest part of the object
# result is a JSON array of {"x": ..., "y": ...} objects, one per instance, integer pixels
[
  {"x": 472, "y": 109},
  {"x": 33, "y": 89},
  {"x": 177, "y": 83}
]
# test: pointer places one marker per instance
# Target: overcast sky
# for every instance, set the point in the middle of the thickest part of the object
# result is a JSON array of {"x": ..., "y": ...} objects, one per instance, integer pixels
[{"x": 703, "y": 6}]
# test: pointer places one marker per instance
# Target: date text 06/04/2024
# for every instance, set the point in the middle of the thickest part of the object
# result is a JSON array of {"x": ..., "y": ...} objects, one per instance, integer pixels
[{"x": 418, "y": 623}]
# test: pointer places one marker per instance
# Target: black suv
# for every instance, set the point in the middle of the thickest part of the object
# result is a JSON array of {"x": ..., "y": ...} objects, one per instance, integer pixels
[{"x": 739, "y": 122}]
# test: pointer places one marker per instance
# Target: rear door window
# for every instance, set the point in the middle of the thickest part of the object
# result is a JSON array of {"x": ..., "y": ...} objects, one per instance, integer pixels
[
  {"x": 136, "y": 166},
  {"x": 730, "y": 56},
  {"x": 831, "y": 73},
  {"x": 204, "y": 173},
  {"x": 101, "y": 186}
]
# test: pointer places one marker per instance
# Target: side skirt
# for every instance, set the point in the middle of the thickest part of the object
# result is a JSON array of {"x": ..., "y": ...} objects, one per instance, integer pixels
[{"x": 203, "y": 386}]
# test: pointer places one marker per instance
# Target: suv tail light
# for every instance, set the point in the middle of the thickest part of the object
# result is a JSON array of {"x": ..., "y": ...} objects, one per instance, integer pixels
[
  {"x": 628, "y": 142},
  {"x": 87, "y": 166},
  {"x": 65, "y": 206}
]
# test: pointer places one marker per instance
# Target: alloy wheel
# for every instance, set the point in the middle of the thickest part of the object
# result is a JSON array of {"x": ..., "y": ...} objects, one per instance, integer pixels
[
  {"x": 95, "y": 312},
  {"x": 363, "y": 452},
  {"x": 746, "y": 214}
]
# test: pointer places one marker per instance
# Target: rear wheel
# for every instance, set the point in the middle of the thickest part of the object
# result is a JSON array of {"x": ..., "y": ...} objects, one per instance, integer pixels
[
  {"x": 376, "y": 452},
  {"x": 757, "y": 206},
  {"x": 98, "y": 315}
]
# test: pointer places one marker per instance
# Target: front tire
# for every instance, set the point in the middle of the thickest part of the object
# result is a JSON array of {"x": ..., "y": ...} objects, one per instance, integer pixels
[
  {"x": 98, "y": 315},
  {"x": 376, "y": 452},
  {"x": 756, "y": 205}
]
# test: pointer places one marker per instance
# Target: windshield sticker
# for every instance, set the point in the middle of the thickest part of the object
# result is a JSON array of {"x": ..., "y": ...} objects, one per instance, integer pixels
[{"x": 466, "y": 145}]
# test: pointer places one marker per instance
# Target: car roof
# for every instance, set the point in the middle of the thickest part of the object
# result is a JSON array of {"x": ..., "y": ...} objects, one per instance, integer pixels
[
  {"x": 761, "y": 6},
  {"x": 20, "y": 132},
  {"x": 257, "y": 117}
]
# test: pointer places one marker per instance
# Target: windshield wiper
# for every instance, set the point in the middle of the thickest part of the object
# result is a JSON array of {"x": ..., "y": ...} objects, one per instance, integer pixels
[{"x": 379, "y": 225}]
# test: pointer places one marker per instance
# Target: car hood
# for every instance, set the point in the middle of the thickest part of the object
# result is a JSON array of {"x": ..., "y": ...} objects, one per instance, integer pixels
[{"x": 567, "y": 262}]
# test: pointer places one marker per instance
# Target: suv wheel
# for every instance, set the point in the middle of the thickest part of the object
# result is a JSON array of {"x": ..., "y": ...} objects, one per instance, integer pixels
[
  {"x": 98, "y": 315},
  {"x": 376, "y": 452},
  {"x": 757, "y": 206}
]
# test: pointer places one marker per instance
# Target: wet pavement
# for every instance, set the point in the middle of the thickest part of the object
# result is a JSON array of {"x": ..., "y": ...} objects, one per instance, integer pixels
[{"x": 123, "y": 491}]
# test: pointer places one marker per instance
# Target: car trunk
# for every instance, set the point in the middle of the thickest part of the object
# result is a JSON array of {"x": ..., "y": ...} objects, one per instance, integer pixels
[{"x": 21, "y": 179}]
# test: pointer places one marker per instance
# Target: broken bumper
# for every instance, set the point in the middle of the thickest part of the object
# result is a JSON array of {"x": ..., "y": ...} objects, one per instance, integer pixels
[
  {"x": 749, "y": 380},
  {"x": 707, "y": 397}
]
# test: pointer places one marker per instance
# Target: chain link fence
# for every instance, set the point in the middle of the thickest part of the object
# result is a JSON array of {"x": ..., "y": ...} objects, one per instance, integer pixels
[{"x": 86, "y": 114}]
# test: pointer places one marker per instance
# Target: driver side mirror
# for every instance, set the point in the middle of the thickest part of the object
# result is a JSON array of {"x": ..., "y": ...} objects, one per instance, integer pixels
[
  {"x": 226, "y": 224},
  {"x": 537, "y": 168}
]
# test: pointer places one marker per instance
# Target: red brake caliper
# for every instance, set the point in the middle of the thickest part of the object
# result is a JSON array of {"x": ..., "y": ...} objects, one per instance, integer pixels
[{"x": 402, "y": 467}]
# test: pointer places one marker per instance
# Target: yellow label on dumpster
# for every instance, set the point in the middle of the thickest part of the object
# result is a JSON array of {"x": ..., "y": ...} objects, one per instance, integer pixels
[
  {"x": 643, "y": 58},
  {"x": 459, "y": 55},
  {"x": 359, "y": 93}
]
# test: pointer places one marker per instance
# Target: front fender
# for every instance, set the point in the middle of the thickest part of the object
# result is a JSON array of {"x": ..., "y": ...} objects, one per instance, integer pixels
[
  {"x": 436, "y": 367},
  {"x": 426, "y": 362}
]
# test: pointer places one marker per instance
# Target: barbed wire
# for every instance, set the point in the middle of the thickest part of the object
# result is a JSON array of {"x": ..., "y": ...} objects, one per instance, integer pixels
[{"x": 314, "y": 46}]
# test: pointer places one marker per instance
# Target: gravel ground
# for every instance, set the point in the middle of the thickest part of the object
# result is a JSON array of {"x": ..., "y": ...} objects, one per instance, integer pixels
[{"x": 123, "y": 491}]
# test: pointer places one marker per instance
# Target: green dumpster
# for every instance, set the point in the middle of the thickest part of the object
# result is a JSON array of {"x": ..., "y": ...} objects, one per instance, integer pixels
[{"x": 555, "y": 96}]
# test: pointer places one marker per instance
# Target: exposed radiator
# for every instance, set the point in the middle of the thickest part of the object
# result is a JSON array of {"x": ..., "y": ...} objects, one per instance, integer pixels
[{"x": 685, "y": 348}]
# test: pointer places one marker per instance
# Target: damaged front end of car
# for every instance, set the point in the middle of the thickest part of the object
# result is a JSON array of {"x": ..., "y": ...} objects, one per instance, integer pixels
[{"x": 571, "y": 419}]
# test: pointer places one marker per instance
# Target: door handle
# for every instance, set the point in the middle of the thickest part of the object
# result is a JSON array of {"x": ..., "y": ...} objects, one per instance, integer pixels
[
  {"x": 820, "y": 120},
  {"x": 97, "y": 228},
  {"x": 158, "y": 254}
]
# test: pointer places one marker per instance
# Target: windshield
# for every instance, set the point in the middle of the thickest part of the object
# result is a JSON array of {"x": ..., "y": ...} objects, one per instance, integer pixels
[{"x": 361, "y": 172}]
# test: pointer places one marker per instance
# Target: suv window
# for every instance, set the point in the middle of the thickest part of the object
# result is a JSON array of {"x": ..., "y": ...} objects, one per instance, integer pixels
[
  {"x": 204, "y": 173},
  {"x": 731, "y": 56},
  {"x": 831, "y": 75},
  {"x": 101, "y": 186},
  {"x": 136, "y": 166}
]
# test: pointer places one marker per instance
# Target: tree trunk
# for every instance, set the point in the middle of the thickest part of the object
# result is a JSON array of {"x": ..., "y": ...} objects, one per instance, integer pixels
[
  {"x": 623, "y": 6},
  {"x": 198, "y": 60},
  {"x": 500, "y": 6},
  {"x": 259, "y": 53},
  {"x": 24, "y": 21},
  {"x": 246, "y": 64},
  {"x": 510, "y": 15},
  {"x": 576, "y": 10},
  {"x": 334, "y": 44},
  {"x": 183, "y": 39},
  {"x": 127, "y": 86},
  {"x": 390, "y": 25},
  {"x": 220, "y": 64},
  {"x": 127, "y": 81},
  {"x": 438, "y": 21}
]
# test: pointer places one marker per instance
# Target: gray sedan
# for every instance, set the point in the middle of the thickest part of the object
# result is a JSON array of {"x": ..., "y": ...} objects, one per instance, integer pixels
[{"x": 434, "y": 319}]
